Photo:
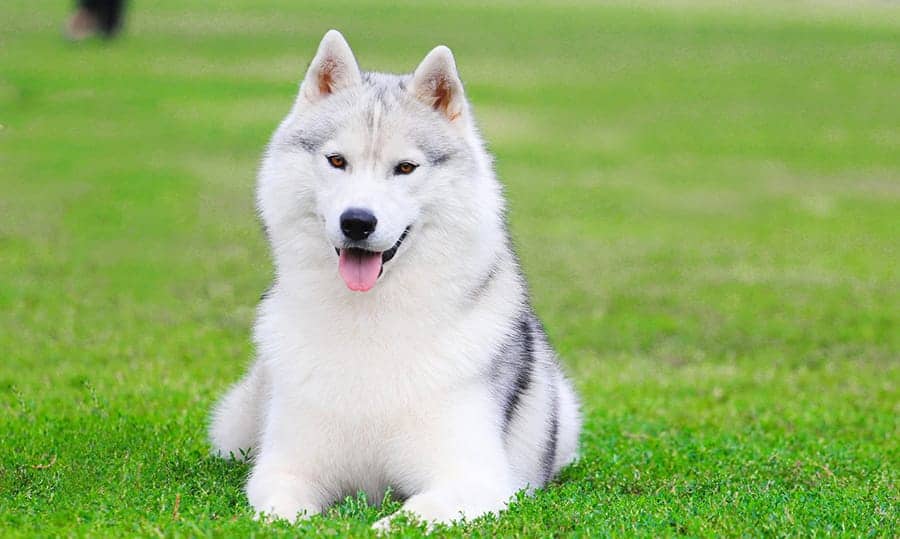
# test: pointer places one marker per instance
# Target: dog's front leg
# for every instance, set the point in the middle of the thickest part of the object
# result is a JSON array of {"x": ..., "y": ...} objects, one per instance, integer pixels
[
  {"x": 282, "y": 481},
  {"x": 459, "y": 462}
]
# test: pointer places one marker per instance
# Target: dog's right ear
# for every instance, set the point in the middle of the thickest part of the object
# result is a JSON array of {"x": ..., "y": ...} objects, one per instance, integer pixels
[{"x": 334, "y": 68}]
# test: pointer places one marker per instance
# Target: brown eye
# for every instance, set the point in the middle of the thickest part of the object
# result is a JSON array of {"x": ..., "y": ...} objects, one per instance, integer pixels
[
  {"x": 405, "y": 167},
  {"x": 337, "y": 161}
]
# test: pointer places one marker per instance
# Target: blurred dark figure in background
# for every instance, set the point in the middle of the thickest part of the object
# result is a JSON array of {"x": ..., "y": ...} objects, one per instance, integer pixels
[{"x": 94, "y": 17}]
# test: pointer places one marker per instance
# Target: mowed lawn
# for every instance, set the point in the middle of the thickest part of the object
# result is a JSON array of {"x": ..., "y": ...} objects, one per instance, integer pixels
[{"x": 706, "y": 202}]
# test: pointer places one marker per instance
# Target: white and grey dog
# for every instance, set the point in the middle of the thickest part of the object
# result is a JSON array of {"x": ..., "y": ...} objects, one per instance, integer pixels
[{"x": 397, "y": 347}]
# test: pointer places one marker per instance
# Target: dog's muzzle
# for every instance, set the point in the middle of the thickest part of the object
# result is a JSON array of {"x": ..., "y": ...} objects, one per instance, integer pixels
[{"x": 360, "y": 267}]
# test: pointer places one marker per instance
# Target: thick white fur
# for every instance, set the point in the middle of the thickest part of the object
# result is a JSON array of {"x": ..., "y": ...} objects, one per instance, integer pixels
[{"x": 388, "y": 388}]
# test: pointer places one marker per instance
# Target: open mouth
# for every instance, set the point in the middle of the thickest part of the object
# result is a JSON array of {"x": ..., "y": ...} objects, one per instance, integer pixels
[{"x": 360, "y": 268}]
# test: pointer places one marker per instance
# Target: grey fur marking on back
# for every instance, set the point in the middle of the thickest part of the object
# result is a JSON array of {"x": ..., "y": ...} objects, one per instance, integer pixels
[
  {"x": 514, "y": 367},
  {"x": 549, "y": 456},
  {"x": 519, "y": 366}
]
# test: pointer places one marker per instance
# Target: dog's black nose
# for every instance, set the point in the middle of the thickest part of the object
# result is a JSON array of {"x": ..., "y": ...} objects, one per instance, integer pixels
[{"x": 357, "y": 223}]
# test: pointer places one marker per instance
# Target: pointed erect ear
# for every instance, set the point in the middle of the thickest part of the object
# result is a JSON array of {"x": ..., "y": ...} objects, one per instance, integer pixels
[
  {"x": 334, "y": 68},
  {"x": 436, "y": 83}
]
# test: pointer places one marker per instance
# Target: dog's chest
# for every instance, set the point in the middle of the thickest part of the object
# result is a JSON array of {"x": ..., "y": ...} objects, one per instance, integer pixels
[
  {"x": 364, "y": 379},
  {"x": 354, "y": 395},
  {"x": 351, "y": 420}
]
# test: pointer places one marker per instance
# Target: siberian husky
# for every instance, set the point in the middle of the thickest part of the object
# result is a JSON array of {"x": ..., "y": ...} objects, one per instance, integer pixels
[{"x": 397, "y": 347}]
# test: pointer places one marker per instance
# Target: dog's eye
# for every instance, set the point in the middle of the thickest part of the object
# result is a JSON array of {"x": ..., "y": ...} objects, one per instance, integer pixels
[
  {"x": 337, "y": 161},
  {"x": 405, "y": 167}
]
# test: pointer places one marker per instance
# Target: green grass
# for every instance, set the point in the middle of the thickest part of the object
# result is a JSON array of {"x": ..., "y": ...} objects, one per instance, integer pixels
[{"x": 706, "y": 201}]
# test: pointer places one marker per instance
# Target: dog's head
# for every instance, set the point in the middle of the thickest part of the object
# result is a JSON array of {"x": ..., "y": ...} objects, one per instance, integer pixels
[{"x": 368, "y": 165}]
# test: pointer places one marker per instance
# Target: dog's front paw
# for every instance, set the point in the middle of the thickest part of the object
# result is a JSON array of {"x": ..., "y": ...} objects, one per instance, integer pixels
[
  {"x": 397, "y": 519},
  {"x": 383, "y": 525},
  {"x": 430, "y": 509},
  {"x": 281, "y": 496},
  {"x": 282, "y": 506}
]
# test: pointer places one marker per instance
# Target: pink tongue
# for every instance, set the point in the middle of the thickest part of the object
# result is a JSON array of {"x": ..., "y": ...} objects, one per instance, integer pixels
[{"x": 359, "y": 268}]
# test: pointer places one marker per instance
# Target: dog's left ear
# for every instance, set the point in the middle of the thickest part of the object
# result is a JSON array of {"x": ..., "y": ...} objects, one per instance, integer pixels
[
  {"x": 436, "y": 83},
  {"x": 334, "y": 68}
]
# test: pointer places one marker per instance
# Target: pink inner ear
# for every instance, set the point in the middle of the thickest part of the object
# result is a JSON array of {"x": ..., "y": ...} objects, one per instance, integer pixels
[
  {"x": 442, "y": 97},
  {"x": 326, "y": 78}
]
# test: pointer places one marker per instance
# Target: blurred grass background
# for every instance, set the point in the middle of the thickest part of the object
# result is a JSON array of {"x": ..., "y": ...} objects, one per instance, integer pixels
[{"x": 706, "y": 199}]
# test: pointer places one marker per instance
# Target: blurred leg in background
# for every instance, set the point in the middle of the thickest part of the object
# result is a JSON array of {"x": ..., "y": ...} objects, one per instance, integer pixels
[{"x": 93, "y": 17}]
